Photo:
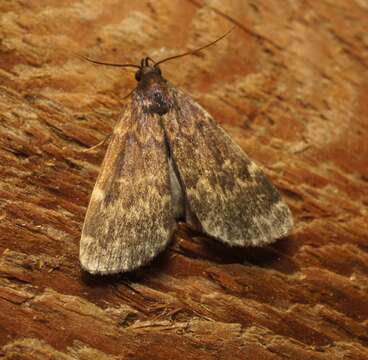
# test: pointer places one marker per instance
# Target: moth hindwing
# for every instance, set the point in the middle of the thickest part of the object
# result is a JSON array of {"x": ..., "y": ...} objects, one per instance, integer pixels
[{"x": 168, "y": 160}]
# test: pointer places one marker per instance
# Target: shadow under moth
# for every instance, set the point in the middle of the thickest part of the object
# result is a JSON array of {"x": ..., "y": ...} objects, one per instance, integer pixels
[{"x": 169, "y": 161}]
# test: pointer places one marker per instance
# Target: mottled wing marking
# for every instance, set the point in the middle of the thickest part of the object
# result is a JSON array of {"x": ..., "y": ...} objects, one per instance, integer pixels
[
  {"x": 229, "y": 194},
  {"x": 129, "y": 218}
]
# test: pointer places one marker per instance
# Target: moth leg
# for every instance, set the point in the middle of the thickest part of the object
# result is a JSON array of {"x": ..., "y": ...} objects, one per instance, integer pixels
[{"x": 101, "y": 143}]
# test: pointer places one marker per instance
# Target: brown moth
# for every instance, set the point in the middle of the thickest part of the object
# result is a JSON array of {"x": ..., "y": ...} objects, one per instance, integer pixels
[{"x": 169, "y": 161}]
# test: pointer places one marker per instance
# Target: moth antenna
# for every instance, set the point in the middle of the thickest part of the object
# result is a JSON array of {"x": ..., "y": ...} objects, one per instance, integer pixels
[
  {"x": 150, "y": 59},
  {"x": 192, "y": 52},
  {"x": 109, "y": 64}
]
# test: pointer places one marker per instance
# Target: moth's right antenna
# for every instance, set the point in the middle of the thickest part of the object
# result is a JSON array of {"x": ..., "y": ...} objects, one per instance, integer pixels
[{"x": 192, "y": 52}]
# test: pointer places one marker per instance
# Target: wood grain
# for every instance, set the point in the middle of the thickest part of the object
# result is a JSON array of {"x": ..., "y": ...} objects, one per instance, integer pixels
[{"x": 290, "y": 84}]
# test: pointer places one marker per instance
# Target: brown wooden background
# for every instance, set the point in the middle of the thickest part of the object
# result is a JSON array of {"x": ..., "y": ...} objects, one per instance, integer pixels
[{"x": 290, "y": 84}]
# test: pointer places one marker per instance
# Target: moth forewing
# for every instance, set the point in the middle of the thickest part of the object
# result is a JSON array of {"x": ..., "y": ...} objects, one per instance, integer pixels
[
  {"x": 229, "y": 194},
  {"x": 129, "y": 218}
]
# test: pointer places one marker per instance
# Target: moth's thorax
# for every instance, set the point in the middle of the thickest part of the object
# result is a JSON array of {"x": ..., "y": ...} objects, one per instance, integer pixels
[{"x": 153, "y": 92}]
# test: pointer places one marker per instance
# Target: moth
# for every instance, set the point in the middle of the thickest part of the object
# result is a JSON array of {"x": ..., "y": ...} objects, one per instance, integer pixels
[{"x": 169, "y": 161}]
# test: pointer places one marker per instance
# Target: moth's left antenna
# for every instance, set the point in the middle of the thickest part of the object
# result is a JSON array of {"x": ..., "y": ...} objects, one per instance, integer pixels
[{"x": 108, "y": 64}]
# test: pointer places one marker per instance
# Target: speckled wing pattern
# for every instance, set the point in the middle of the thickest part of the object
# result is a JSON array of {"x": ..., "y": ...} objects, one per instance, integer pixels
[
  {"x": 229, "y": 194},
  {"x": 129, "y": 218}
]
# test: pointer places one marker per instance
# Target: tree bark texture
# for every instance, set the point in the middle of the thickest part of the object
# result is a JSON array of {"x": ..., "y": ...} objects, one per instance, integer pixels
[{"x": 289, "y": 84}]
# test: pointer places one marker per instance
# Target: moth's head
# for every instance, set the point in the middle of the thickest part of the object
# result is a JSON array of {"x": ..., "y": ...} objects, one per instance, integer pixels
[
  {"x": 147, "y": 71},
  {"x": 152, "y": 88}
]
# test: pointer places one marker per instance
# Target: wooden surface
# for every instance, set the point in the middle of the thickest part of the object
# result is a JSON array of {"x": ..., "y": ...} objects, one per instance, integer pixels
[{"x": 290, "y": 84}]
